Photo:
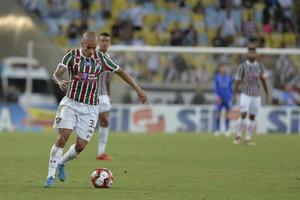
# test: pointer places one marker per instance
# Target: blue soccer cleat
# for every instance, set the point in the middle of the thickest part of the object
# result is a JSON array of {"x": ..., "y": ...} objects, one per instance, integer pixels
[
  {"x": 49, "y": 182},
  {"x": 61, "y": 172}
]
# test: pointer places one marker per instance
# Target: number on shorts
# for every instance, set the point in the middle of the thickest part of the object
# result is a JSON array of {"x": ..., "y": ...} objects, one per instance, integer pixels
[{"x": 92, "y": 124}]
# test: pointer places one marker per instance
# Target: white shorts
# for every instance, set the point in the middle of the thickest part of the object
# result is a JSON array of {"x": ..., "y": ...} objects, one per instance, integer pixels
[
  {"x": 249, "y": 104},
  {"x": 80, "y": 117},
  {"x": 104, "y": 103}
]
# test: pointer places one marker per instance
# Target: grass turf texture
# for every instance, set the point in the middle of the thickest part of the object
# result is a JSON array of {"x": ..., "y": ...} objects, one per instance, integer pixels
[{"x": 158, "y": 166}]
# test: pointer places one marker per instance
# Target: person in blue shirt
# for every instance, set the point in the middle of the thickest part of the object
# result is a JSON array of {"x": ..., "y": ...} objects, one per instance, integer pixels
[{"x": 223, "y": 90}]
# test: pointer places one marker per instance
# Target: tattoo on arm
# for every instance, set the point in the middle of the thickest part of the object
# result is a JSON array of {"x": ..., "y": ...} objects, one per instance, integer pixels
[{"x": 60, "y": 70}]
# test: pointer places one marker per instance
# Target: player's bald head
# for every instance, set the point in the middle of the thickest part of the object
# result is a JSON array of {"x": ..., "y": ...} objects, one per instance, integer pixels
[
  {"x": 89, "y": 43},
  {"x": 89, "y": 36}
]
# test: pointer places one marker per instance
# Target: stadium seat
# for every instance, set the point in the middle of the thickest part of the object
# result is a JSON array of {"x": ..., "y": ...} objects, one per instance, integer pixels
[
  {"x": 276, "y": 39},
  {"x": 290, "y": 39}
]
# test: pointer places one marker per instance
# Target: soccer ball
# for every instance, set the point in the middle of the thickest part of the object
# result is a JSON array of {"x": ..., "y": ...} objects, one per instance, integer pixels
[{"x": 102, "y": 178}]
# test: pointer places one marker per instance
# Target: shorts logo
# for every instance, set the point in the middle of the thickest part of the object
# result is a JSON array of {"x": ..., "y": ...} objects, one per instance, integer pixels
[{"x": 58, "y": 120}]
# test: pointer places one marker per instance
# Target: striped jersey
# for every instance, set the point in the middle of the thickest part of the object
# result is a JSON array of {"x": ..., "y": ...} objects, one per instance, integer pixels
[
  {"x": 84, "y": 74},
  {"x": 249, "y": 74},
  {"x": 104, "y": 80}
]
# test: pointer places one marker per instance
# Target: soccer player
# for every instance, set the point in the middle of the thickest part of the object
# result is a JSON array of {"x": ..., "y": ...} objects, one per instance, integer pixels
[
  {"x": 104, "y": 101},
  {"x": 249, "y": 74},
  {"x": 223, "y": 90},
  {"x": 78, "y": 110}
]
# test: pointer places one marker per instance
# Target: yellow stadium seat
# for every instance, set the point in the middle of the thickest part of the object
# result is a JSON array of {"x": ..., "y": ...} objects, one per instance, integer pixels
[
  {"x": 208, "y": 2},
  {"x": 290, "y": 39},
  {"x": 95, "y": 7},
  {"x": 74, "y": 5},
  {"x": 197, "y": 17},
  {"x": 276, "y": 39},
  {"x": 60, "y": 40},
  {"x": 151, "y": 19},
  {"x": 211, "y": 33},
  {"x": 268, "y": 40}
]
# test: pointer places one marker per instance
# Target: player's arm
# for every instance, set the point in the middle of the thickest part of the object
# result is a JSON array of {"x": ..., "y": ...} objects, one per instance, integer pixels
[
  {"x": 127, "y": 78},
  {"x": 264, "y": 83},
  {"x": 237, "y": 82},
  {"x": 216, "y": 90},
  {"x": 111, "y": 66},
  {"x": 57, "y": 77},
  {"x": 60, "y": 70}
]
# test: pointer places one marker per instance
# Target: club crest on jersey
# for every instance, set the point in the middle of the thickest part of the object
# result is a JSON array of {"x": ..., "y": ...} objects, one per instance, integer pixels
[
  {"x": 58, "y": 120},
  {"x": 98, "y": 67},
  {"x": 81, "y": 76}
]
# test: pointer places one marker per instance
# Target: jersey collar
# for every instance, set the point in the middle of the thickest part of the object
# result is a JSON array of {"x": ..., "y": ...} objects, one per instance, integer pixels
[
  {"x": 248, "y": 62},
  {"x": 85, "y": 56}
]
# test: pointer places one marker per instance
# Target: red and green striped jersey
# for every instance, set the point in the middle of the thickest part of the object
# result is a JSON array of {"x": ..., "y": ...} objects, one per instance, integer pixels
[{"x": 84, "y": 74}]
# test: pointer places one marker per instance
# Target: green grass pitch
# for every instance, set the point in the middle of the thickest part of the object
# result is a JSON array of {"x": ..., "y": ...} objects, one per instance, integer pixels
[{"x": 156, "y": 166}]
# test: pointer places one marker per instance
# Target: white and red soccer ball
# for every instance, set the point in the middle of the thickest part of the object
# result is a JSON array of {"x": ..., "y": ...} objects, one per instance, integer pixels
[{"x": 102, "y": 178}]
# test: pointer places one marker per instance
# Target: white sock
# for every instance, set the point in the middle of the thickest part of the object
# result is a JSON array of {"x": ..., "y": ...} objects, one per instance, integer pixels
[
  {"x": 55, "y": 156},
  {"x": 69, "y": 155},
  {"x": 250, "y": 128},
  {"x": 103, "y": 135},
  {"x": 240, "y": 127}
]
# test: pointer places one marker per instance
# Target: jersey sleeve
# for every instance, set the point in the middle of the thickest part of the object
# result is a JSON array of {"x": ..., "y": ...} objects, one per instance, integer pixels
[
  {"x": 66, "y": 59},
  {"x": 109, "y": 65},
  {"x": 239, "y": 73},
  {"x": 262, "y": 69}
]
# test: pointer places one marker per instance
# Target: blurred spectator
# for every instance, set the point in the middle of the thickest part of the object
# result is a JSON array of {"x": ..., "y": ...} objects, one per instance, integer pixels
[
  {"x": 84, "y": 26},
  {"x": 190, "y": 36},
  {"x": 202, "y": 75},
  {"x": 218, "y": 40},
  {"x": 268, "y": 27},
  {"x": 153, "y": 64},
  {"x": 181, "y": 3},
  {"x": 288, "y": 97},
  {"x": 13, "y": 94},
  {"x": 198, "y": 7},
  {"x": 228, "y": 28},
  {"x": 266, "y": 15},
  {"x": 249, "y": 27},
  {"x": 176, "y": 35},
  {"x": 284, "y": 71},
  {"x": 240, "y": 40},
  {"x": 85, "y": 8},
  {"x": 56, "y": 8},
  {"x": 136, "y": 16},
  {"x": 33, "y": 6},
  {"x": 116, "y": 27},
  {"x": 126, "y": 33},
  {"x": 198, "y": 97},
  {"x": 278, "y": 18},
  {"x": 73, "y": 33},
  {"x": 178, "y": 98},
  {"x": 106, "y": 6},
  {"x": 177, "y": 71},
  {"x": 285, "y": 3}
]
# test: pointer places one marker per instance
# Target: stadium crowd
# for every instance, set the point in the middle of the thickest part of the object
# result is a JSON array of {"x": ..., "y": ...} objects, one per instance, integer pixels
[
  {"x": 171, "y": 22},
  {"x": 220, "y": 23}
]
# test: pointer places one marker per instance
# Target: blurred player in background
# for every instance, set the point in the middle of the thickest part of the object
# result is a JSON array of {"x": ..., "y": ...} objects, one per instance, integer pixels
[
  {"x": 78, "y": 110},
  {"x": 104, "y": 101},
  {"x": 223, "y": 89},
  {"x": 249, "y": 74}
]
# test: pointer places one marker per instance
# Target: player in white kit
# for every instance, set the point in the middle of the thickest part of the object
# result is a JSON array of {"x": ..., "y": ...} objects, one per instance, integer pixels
[
  {"x": 250, "y": 73},
  {"x": 104, "y": 101}
]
